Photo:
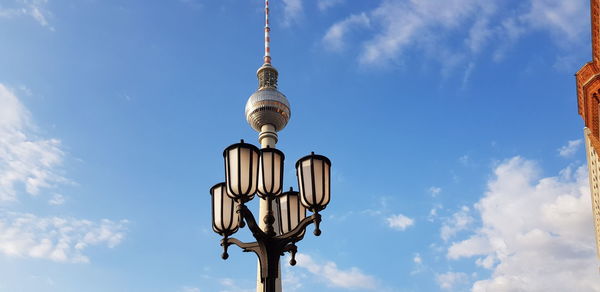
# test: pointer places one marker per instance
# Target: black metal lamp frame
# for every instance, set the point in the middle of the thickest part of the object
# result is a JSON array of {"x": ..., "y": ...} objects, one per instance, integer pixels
[{"x": 268, "y": 246}]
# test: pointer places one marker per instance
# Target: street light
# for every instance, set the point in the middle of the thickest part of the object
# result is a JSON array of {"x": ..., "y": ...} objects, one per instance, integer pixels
[{"x": 248, "y": 171}]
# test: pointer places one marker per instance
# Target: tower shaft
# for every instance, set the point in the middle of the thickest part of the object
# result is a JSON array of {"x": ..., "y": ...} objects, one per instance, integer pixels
[{"x": 268, "y": 112}]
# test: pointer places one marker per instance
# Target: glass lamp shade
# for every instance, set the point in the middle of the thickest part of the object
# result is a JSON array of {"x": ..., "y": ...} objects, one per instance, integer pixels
[
  {"x": 313, "y": 172},
  {"x": 241, "y": 170},
  {"x": 291, "y": 211},
  {"x": 225, "y": 219},
  {"x": 270, "y": 172}
]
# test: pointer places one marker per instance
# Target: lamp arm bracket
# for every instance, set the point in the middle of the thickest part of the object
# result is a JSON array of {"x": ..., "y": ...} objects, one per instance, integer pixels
[
  {"x": 245, "y": 246},
  {"x": 294, "y": 234},
  {"x": 251, "y": 222},
  {"x": 267, "y": 252}
]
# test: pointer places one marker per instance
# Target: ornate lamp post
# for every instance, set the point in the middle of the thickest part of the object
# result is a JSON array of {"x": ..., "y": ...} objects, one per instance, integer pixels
[{"x": 251, "y": 171}]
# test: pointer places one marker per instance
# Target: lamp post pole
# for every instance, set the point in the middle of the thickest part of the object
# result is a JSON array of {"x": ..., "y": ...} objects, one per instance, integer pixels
[{"x": 266, "y": 138}]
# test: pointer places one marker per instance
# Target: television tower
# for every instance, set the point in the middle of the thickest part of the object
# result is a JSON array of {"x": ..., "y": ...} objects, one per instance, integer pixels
[{"x": 267, "y": 112}]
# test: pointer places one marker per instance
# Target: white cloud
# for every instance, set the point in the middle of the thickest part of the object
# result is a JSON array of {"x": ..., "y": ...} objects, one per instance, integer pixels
[
  {"x": 59, "y": 239},
  {"x": 536, "y": 232},
  {"x": 570, "y": 149},
  {"x": 36, "y": 12},
  {"x": 434, "y": 191},
  {"x": 465, "y": 159},
  {"x": 399, "y": 222},
  {"x": 9, "y": 12},
  {"x": 486, "y": 262},
  {"x": 25, "y": 160},
  {"x": 293, "y": 11},
  {"x": 326, "y": 4},
  {"x": 292, "y": 279},
  {"x": 419, "y": 266},
  {"x": 459, "y": 221},
  {"x": 433, "y": 212},
  {"x": 479, "y": 34},
  {"x": 25, "y": 90},
  {"x": 57, "y": 199},
  {"x": 328, "y": 272},
  {"x": 450, "y": 280},
  {"x": 432, "y": 26},
  {"x": 35, "y": 9},
  {"x": 190, "y": 289},
  {"x": 31, "y": 164},
  {"x": 563, "y": 19},
  {"x": 230, "y": 285},
  {"x": 417, "y": 259},
  {"x": 422, "y": 24},
  {"x": 334, "y": 38}
]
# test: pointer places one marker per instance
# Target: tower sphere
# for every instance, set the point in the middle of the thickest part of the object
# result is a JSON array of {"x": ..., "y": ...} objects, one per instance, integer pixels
[{"x": 267, "y": 105}]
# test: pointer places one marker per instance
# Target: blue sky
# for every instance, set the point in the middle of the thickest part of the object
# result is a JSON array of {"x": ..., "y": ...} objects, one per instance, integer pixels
[{"x": 452, "y": 126}]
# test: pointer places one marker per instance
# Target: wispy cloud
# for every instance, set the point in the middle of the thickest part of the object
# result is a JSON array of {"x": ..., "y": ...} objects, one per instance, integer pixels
[
  {"x": 329, "y": 272},
  {"x": 35, "y": 9},
  {"x": 570, "y": 149},
  {"x": 535, "y": 232},
  {"x": 292, "y": 279},
  {"x": 293, "y": 11},
  {"x": 404, "y": 24},
  {"x": 399, "y": 222},
  {"x": 24, "y": 158},
  {"x": 57, "y": 199},
  {"x": 431, "y": 27},
  {"x": 464, "y": 160},
  {"x": 459, "y": 221},
  {"x": 449, "y": 280},
  {"x": 434, "y": 191},
  {"x": 334, "y": 39},
  {"x": 565, "y": 20},
  {"x": 419, "y": 266},
  {"x": 326, "y": 4},
  {"x": 190, "y": 289},
  {"x": 33, "y": 164},
  {"x": 60, "y": 239},
  {"x": 231, "y": 285},
  {"x": 417, "y": 259},
  {"x": 433, "y": 213}
]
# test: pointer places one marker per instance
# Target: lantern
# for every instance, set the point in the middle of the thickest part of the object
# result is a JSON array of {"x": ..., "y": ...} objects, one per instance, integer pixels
[
  {"x": 290, "y": 211},
  {"x": 270, "y": 172},
  {"x": 313, "y": 172},
  {"x": 225, "y": 219},
  {"x": 241, "y": 171}
]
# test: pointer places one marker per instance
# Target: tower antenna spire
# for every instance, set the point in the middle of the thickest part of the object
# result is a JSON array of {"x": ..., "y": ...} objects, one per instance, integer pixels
[
  {"x": 267, "y": 110},
  {"x": 267, "y": 57}
]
